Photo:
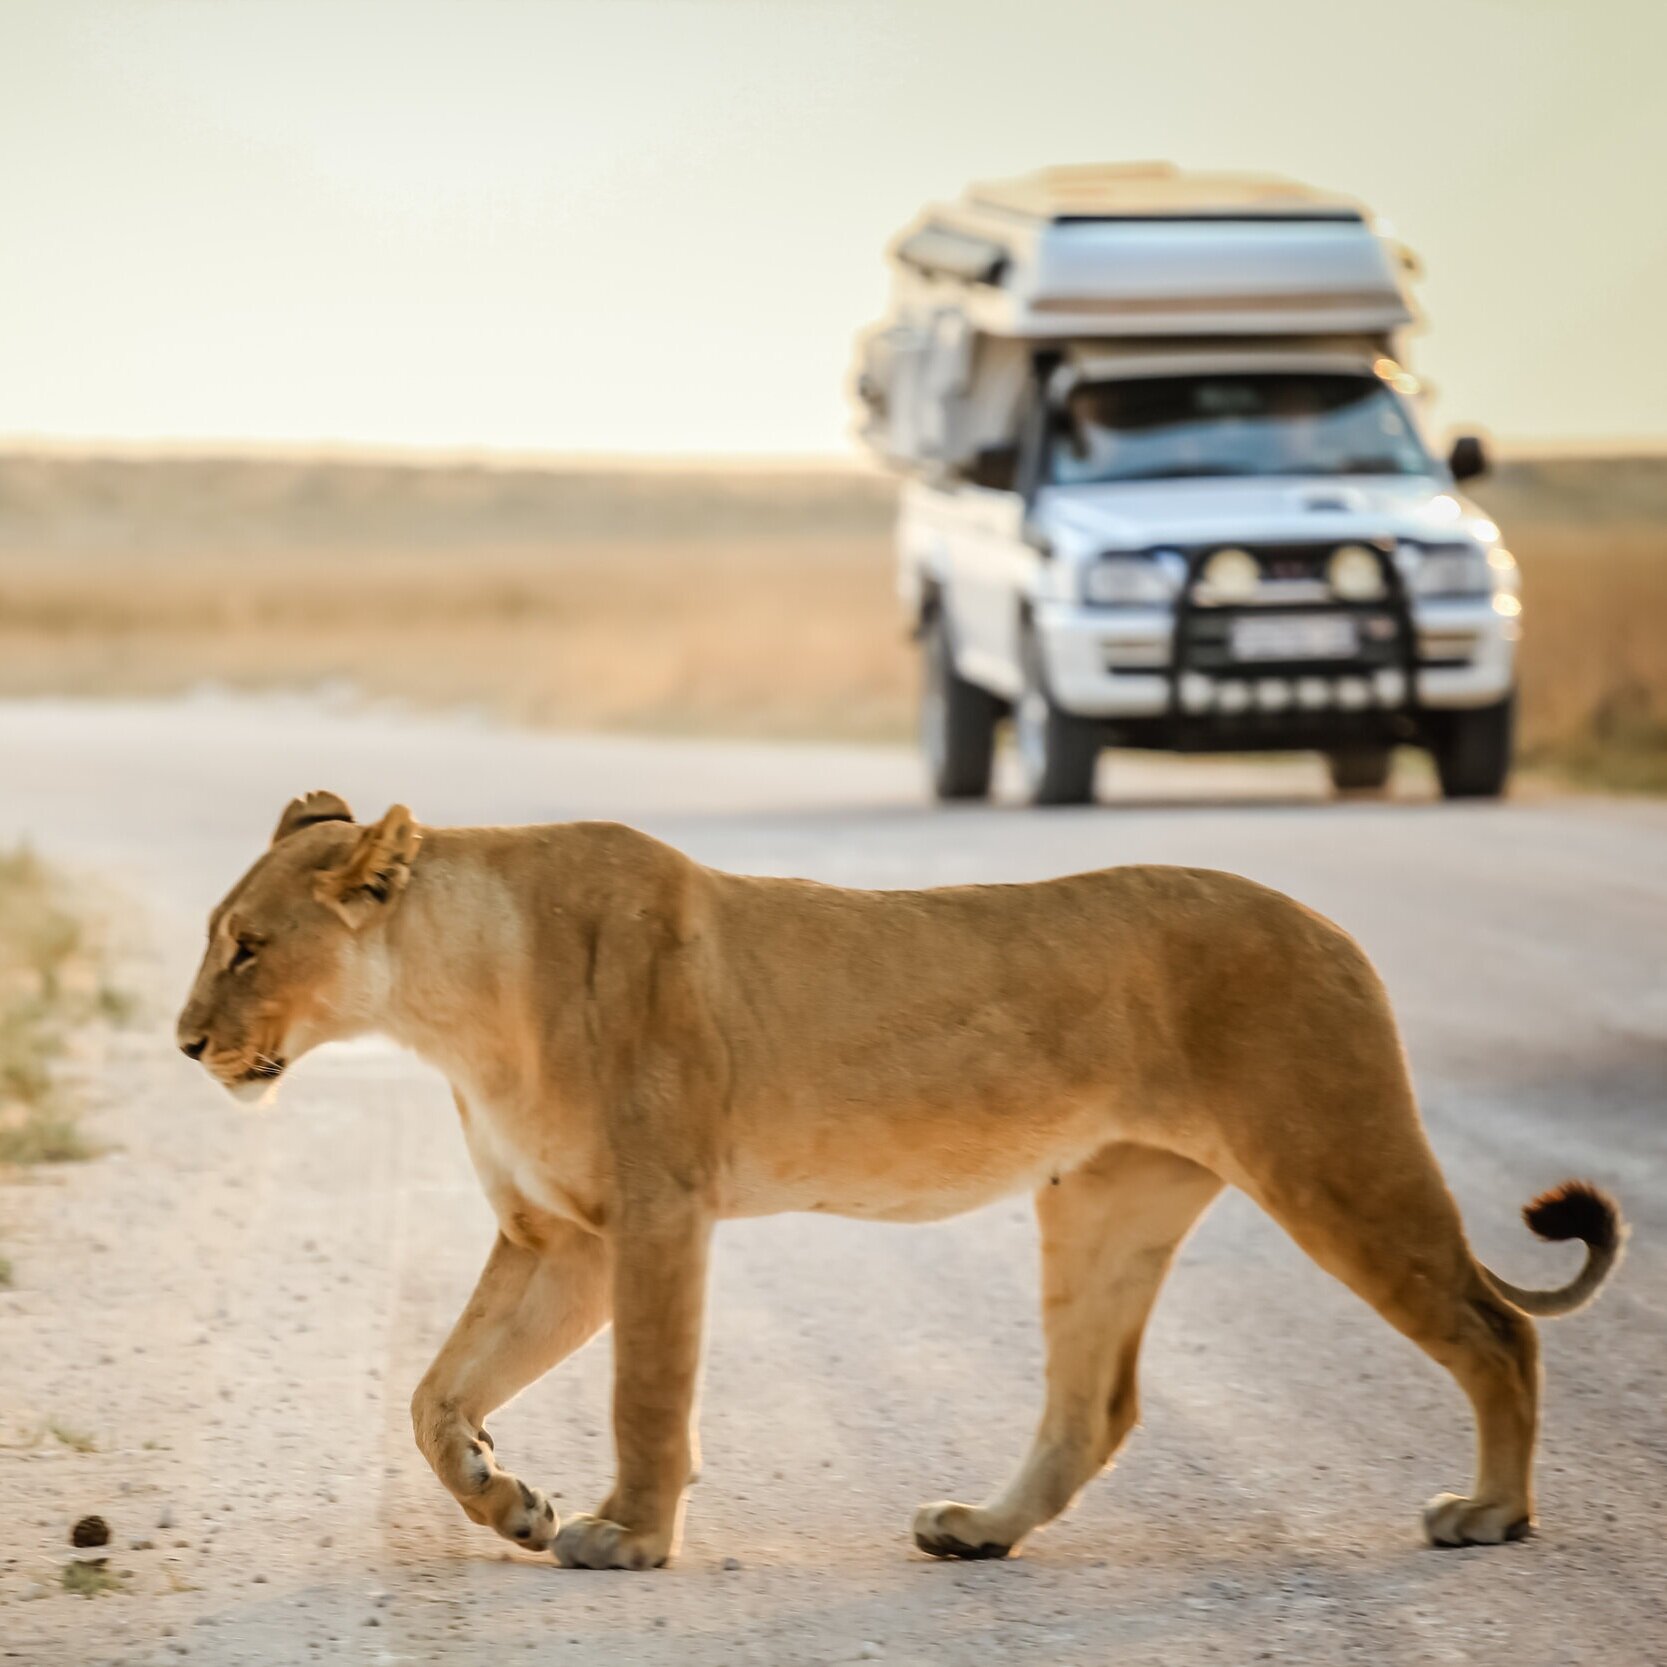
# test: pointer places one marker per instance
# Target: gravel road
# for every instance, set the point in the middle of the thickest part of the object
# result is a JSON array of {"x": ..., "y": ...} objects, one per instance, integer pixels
[{"x": 236, "y": 1305}]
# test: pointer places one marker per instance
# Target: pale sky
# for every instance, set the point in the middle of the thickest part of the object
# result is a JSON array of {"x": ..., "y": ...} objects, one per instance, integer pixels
[{"x": 646, "y": 226}]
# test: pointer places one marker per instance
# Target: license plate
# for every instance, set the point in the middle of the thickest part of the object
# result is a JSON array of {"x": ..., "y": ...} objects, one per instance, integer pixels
[{"x": 1321, "y": 637}]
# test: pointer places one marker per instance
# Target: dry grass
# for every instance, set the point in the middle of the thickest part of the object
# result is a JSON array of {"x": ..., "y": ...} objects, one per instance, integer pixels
[
  {"x": 51, "y": 980},
  {"x": 91, "y": 1579},
  {"x": 742, "y": 602},
  {"x": 788, "y": 640},
  {"x": 66, "y": 1435},
  {"x": 1592, "y": 540},
  {"x": 749, "y": 603}
]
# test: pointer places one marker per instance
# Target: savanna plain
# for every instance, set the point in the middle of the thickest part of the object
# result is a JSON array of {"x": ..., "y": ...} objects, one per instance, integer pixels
[{"x": 706, "y": 601}]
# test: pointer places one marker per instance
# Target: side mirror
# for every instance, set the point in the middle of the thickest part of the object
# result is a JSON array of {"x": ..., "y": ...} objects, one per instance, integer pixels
[
  {"x": 994, "y": 468},
  {"x": 1468, "y": 458}
]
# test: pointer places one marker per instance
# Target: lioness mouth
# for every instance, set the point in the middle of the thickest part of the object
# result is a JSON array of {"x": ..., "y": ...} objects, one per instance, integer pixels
[{"x": 258, "y": 1084}]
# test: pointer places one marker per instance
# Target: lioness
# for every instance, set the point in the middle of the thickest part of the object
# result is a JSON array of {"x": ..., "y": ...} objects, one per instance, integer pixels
[{"x": 641, "y": 1047}]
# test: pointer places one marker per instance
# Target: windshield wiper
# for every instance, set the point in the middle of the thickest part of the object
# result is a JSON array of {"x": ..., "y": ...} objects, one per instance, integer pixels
[
  {"x": 1367, "y": 466},
  {"x": 1181, "y": 472}
]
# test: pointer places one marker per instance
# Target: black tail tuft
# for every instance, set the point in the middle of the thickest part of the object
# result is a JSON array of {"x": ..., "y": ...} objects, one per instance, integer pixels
[{"x": 1576, "y": 1210}]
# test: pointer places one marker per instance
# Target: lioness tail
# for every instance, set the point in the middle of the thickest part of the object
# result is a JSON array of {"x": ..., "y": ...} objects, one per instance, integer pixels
[{"x": 1574, "y": 1210}]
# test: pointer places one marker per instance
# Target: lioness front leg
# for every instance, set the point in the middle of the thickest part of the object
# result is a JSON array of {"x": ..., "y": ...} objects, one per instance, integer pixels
[
  {"x": 529, "y": 1310},
  {"x": 659, "y": 1296}
]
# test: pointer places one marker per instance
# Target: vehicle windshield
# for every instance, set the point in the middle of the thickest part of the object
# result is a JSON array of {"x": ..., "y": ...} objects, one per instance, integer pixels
[{"x": 1251, "y": 423}]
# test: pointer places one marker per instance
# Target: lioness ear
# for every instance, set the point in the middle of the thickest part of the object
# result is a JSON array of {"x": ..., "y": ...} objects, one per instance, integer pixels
[
  {"x": 313, "y": 807},
  {"x": 375, "y": 871}
]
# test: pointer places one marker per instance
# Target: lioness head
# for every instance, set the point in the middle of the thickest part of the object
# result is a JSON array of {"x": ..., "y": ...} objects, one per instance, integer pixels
[{"x": 293, "y": 954}]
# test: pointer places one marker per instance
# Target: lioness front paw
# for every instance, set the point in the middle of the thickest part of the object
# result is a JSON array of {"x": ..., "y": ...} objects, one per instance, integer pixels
[
  {"x": 587, "y": 1542},
  {"x": 1451, "y": 1519},
  {"x": 504, "y": 1502},
  {"x": 950, "y": 1530},
  {"x": 531, "y": 1521}
]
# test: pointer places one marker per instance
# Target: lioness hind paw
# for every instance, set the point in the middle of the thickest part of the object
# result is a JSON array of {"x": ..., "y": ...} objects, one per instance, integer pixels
[
  {"x": 1451, "y": 1520},
  {"x": 950, "y": 1530},
  {"x": 588, "y": 1542}
]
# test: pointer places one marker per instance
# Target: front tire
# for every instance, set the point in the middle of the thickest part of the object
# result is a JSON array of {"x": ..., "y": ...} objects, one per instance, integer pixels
[
  {"x": 1057, "y": 752},
  {"x": 1360, "y": 769},
  {"x": 1472, "y": 750},
  {"x": 957, "y": 721}
]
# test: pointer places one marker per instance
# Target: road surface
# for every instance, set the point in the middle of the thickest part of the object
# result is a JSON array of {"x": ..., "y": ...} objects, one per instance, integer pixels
[{"x": 236, "y": 1306}]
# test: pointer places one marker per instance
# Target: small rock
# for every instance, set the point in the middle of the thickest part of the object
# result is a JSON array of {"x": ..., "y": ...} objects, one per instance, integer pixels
[
  {"x": 870, "y": 1651},
  {"x": 166, "y": 1520},
  {"x": 37, "y": 1589},
  {"x": 373, "y": 1620},
  {"x": 141, "y": 1545},
  {"x": 258, "y": 1579},
  {"x": 731, "y": 1564},
  {"x": 90, "y": 1531}
]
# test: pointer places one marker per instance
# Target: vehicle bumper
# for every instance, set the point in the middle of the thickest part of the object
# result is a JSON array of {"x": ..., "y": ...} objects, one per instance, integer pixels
[
  {"x": 1115, "y": 663},
  {"x": 1467, "y": 653}
]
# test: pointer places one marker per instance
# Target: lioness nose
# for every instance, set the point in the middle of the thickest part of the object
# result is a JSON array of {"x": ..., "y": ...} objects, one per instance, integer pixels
[{"x": 192, "y": 1046}]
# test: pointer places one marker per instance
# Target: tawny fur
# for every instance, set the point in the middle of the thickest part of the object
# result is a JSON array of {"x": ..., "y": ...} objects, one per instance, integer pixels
[{"x": 640, "y": 1047}]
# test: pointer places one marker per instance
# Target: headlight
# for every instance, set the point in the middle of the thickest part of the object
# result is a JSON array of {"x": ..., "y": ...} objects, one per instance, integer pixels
[
  {"x": 1446, "y": 569},
  {"x": 1130, "y": 582},
  {"x": 1232, "y": 575},
  {"x": 1355, "y": 573}
]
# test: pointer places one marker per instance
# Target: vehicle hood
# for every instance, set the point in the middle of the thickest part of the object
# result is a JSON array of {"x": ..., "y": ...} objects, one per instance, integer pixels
[{"x": 1138, "y": 514}]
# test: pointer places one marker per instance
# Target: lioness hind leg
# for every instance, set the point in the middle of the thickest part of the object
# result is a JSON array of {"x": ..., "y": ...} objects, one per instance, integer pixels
[
  {"x": 1384, "y": 1223},
  {"x": 1109, "y": 1232},
  {"x": 528, "y": 1311},
  {"x": 1496, "y": 1359}
]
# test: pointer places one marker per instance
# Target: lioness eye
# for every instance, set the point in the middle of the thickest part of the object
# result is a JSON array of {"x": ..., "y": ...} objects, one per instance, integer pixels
[{"x": 242, "y": 955}]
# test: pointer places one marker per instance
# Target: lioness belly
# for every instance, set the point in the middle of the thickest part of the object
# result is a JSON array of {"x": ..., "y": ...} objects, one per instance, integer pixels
[{"x": 905, "y": 1168}]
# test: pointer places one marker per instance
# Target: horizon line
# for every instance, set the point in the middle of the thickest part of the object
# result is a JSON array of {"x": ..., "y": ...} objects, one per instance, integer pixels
[{"x": 416, "y": 455}]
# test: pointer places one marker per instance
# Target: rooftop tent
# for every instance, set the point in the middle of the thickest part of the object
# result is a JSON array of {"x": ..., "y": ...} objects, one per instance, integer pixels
[
  {"x": 1151, "y": 251},
  {"x": 1106, "y": 254}
]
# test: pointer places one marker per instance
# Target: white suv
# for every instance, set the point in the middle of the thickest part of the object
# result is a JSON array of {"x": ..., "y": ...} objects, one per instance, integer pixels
[{"x": 1211, "y": 551}]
